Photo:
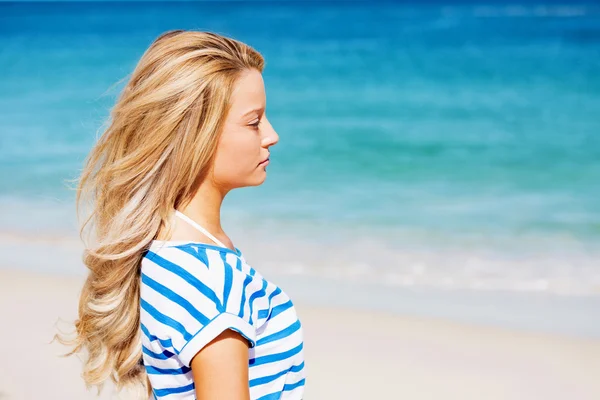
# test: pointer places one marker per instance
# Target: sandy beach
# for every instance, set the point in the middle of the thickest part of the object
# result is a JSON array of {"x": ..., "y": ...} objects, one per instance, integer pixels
[{"x": 349, "y": 354}]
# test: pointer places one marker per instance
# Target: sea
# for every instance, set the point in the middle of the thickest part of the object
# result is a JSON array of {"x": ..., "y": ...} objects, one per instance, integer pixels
[{"x": 427, "y": 148}]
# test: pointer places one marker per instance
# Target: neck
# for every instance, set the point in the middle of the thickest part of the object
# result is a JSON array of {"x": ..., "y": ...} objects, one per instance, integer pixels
[{"x": 205, "y": 208}]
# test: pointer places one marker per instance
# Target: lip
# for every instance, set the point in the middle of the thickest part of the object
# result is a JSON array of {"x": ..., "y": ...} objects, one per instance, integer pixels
[{"x": 265, "y": 161}]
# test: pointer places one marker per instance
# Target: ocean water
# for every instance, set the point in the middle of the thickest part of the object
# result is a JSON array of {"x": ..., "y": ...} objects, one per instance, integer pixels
[{"x": 444, "y": 145}]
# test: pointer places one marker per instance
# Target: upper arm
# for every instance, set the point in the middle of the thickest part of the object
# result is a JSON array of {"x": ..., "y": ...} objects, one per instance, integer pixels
[
  {"x": 220, "y": 369},
  {"x": 204, "y": 303},
  {"x": 196, "y": 300}
]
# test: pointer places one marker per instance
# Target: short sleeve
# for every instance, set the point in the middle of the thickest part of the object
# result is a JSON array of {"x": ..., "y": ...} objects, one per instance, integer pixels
[
  {"x": 211, "y": 330},
  {"x": 204, "y": 294}
]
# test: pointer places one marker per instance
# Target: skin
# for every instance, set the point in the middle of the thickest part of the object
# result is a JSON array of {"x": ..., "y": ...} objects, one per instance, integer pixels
[
  {"x": 220, "y": 369},
  {"x": 242, "y": 146}
]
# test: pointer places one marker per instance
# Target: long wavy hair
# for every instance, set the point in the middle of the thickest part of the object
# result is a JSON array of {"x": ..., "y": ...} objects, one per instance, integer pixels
[{"x": 158, "y": 146}]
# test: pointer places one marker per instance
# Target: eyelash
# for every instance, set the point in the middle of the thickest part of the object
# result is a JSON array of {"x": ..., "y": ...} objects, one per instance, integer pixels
[{"x": 255, "y": 125}]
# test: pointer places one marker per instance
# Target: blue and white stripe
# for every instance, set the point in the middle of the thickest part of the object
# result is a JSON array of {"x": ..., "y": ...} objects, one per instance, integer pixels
[{"x": 190, "y": 293}]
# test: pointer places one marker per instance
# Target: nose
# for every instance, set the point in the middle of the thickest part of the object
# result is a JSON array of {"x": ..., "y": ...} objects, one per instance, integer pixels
[{"x": 270, "y": 136}]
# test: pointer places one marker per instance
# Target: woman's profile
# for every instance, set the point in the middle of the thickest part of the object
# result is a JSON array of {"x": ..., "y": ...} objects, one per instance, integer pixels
[{"x": 170, "y": 305}]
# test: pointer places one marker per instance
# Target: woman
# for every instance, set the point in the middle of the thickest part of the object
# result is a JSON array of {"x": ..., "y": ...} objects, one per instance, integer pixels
[{"x": 170, "y": 303}]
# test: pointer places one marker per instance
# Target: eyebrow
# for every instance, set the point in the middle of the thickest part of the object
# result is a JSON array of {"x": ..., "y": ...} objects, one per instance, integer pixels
[{"x": 256, "y": 110}]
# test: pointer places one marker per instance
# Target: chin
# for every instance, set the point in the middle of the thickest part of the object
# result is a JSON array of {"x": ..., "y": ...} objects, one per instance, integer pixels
[
  {"x": 260, "y": 181},
  {"x": 256, "y": 181}
]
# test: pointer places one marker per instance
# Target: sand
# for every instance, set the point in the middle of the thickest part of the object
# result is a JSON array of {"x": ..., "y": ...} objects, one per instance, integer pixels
[{"x": 350, "y": 354}]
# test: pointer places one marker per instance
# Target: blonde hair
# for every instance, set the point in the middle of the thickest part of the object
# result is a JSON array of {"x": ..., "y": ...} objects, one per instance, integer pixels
[{"x": 159, "y": 144}]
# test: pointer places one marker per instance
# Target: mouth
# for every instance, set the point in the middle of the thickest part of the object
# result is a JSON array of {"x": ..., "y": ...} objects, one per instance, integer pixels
[{"x": 264, "y": 162}]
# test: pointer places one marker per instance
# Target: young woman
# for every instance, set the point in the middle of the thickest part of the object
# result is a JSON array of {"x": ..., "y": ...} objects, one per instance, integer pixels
[{"x": 169, "y": 302}]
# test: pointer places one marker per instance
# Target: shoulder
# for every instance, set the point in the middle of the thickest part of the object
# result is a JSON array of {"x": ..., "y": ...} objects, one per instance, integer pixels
[
  {"x": 185, "y": 253},
  {"x": 199, "y": 269},
  {"x": 198, "y": 259},
  {"x": 190, "y": 293}
]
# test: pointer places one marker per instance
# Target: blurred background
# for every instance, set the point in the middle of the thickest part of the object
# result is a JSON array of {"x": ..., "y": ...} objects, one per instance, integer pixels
[{"x": 436, "y": 158}]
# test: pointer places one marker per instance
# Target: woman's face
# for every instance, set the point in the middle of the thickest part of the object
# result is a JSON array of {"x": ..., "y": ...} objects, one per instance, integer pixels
[{"x": 247, "y": 136}]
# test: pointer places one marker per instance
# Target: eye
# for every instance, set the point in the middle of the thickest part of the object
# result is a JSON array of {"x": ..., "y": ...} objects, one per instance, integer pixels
[{"x": 255, "y": 125}]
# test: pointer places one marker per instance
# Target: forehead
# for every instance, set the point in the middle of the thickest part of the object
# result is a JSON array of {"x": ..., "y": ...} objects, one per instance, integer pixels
[{"x": 248, "y": 93}]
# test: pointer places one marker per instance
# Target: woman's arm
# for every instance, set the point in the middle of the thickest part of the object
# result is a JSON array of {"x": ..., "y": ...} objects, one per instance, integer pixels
[{"x": 220, "y": 369}]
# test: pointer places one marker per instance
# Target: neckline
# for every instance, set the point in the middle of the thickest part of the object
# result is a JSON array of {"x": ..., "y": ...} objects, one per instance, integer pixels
[
  {"x": 200, "y": 228},
  {"x": 237, "y": 251}
]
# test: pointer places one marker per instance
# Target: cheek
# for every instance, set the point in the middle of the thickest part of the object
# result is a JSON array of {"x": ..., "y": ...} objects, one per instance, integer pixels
[{"x": 236, "y": 157}]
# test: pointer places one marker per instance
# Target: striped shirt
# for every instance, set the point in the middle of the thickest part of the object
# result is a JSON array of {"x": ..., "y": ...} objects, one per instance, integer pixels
[{"x": 190, "y": 293}]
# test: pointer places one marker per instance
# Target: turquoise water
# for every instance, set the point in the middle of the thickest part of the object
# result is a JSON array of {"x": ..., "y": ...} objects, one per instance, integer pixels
[{"x": 447, "y": 145}]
